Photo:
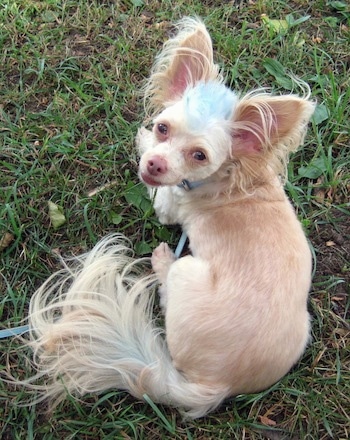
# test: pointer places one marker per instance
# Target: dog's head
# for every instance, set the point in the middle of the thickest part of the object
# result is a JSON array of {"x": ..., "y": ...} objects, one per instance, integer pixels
[{"x": 202, "y": 131}]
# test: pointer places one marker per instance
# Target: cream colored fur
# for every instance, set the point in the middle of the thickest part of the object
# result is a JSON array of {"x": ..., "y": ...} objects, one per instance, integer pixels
[{"x": 236, "y": 308}]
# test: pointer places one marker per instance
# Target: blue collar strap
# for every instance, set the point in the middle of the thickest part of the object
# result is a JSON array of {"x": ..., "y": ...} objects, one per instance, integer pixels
[{"x": 188, "y": 186}]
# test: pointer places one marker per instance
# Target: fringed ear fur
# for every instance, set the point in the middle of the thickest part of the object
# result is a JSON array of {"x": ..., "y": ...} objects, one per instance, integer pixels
[
  {"x": 267, "y": 128},
  {"x": 185, "y": 59},
  {"x": 263, "y": 122}
]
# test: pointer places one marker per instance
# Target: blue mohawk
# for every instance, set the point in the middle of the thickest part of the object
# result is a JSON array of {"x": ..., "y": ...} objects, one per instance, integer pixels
[{"x": 206, "y": 102}]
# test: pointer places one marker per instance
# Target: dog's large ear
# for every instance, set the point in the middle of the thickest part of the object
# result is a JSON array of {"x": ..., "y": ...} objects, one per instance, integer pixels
[
  {"x": 263, "y": 123},
  {"x": 185, "y": 59}
]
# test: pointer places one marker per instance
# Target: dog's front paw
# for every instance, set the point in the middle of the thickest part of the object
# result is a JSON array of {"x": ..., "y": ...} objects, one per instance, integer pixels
[{"x": 162, "y": 259}]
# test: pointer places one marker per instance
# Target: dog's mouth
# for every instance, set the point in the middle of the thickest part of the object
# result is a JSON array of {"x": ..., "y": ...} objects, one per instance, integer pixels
[{"x": 148, "y": 180}]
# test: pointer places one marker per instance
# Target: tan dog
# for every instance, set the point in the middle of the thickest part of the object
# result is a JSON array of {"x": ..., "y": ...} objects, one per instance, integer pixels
[{"x": 236, "y": 309}]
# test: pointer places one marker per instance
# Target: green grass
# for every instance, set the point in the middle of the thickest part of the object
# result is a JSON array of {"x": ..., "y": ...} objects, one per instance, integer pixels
[{"x": 71, "y": 73}]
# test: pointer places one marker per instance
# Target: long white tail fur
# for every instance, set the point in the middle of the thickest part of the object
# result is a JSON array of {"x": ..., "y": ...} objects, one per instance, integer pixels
[{"x": 92, "y": 330}]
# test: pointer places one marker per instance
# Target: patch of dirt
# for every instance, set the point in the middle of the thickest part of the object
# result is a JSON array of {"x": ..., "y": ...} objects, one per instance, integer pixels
[{"x": 331, "y": 241}]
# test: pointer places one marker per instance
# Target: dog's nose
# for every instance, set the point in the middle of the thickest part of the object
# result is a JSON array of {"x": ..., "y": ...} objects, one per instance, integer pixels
[{"x": 156, "y": 165}]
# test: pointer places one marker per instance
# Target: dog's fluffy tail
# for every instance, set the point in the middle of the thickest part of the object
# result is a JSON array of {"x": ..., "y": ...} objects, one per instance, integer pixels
[{"x": 92, "y": 330}]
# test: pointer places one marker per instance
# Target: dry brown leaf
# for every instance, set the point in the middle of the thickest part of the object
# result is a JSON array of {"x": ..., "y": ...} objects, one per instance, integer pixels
[
  {"x": 266, "y": 421},
  {"x": 341, "y": 331},
  {"x": 6, "y": 240},
  {"x": 338, "y": 298},
  {"x": 319, "y": 191}
]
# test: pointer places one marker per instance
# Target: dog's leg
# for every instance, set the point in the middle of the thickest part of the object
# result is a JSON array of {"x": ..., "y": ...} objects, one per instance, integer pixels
[
  {"x": 162, "y": 259},
  {"x": 166, "y": 206}
]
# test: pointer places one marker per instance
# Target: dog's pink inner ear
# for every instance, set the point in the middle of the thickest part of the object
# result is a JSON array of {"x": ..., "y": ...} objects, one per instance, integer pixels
[
  {"x": 248, "y": 132},
  {"x": 182, "y": 75},
  {"x": 193, "y": 62},
  {"x": 246, "y": 141}
]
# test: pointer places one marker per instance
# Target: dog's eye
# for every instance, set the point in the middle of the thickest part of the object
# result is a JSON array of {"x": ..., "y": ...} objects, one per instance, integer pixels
[
  {"x": 199, "y": 155},
  {"x": 163, "y": 129}
]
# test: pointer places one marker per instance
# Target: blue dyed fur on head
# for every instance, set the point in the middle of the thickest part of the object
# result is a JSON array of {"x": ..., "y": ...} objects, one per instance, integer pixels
[{"x": 207, "y": 103}]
